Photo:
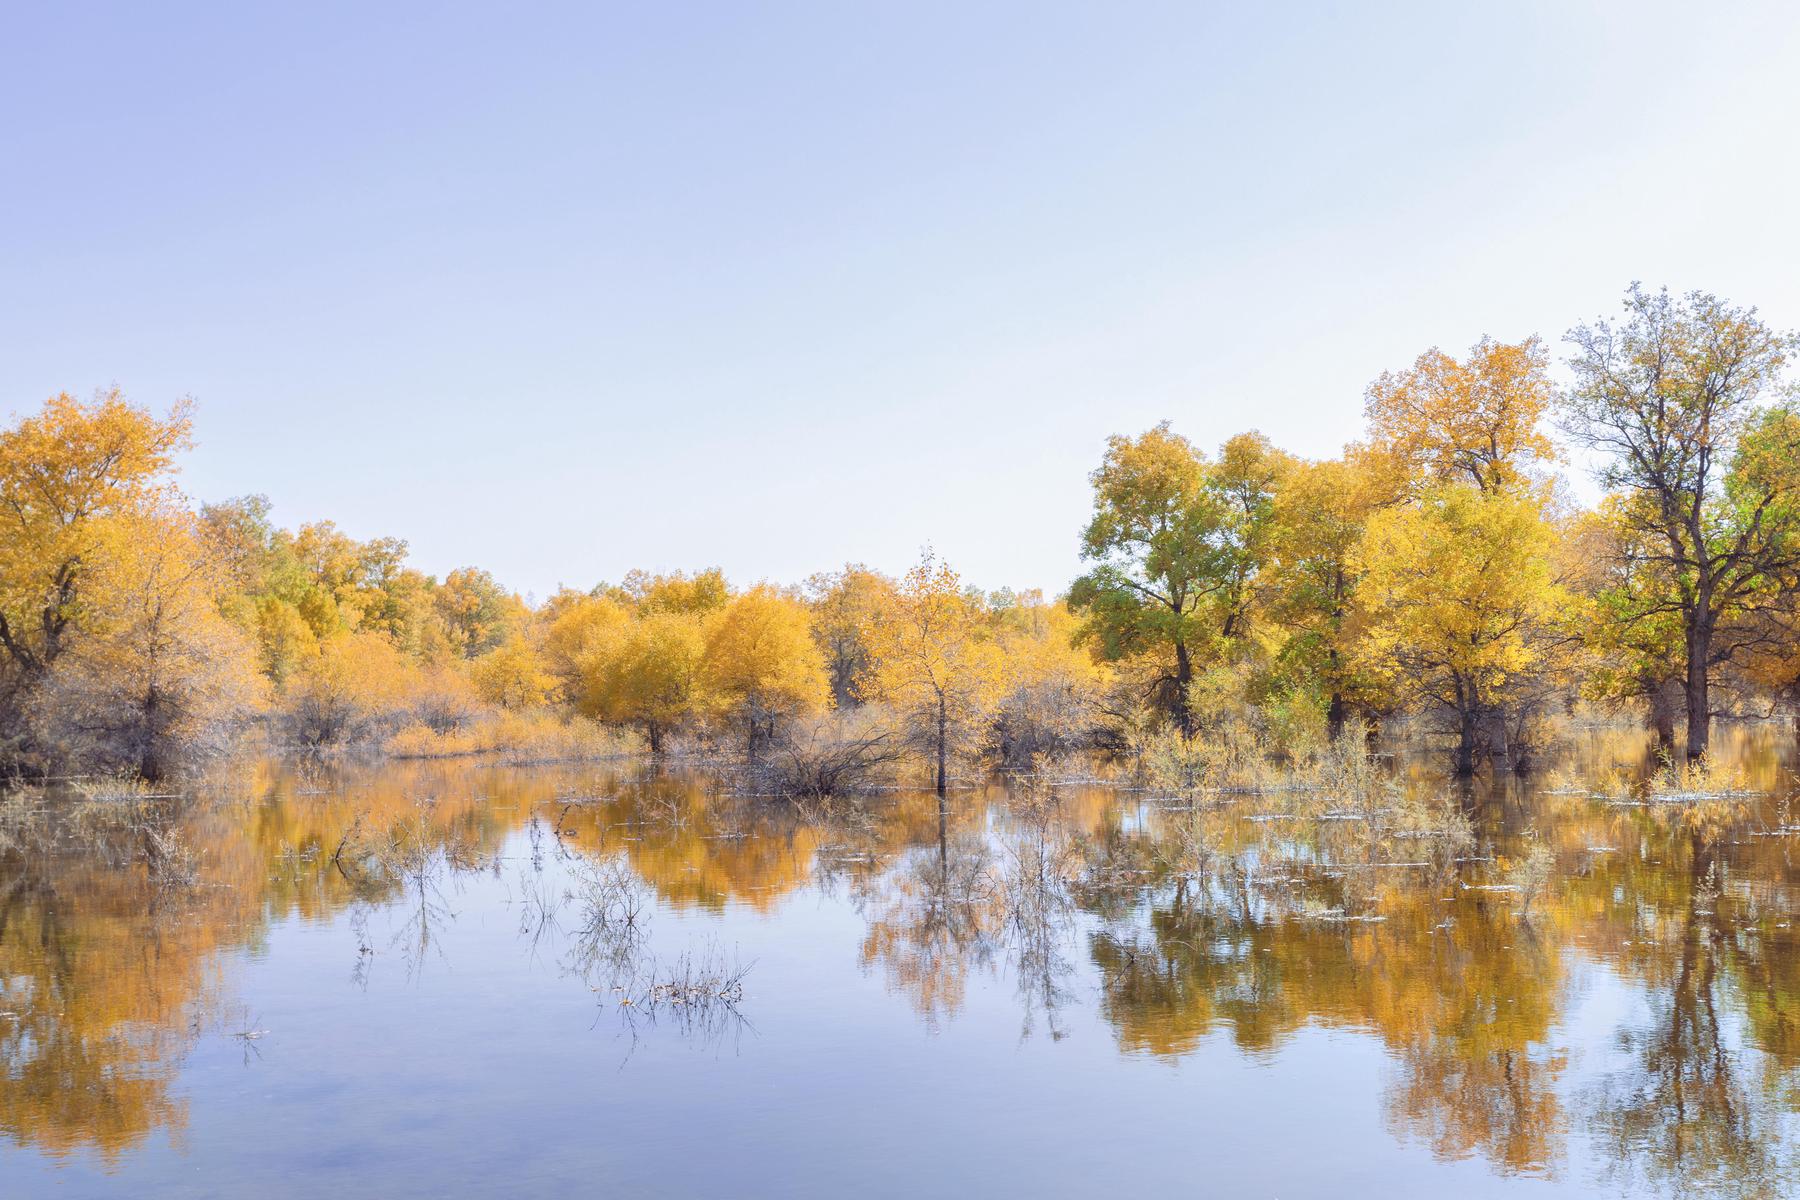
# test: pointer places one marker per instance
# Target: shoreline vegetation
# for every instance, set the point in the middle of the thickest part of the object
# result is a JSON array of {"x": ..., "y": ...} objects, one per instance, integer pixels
[{"x": 1246, "y": 619}]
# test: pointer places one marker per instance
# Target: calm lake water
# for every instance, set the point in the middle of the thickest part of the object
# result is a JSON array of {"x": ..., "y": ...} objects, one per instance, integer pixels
[{"x": 453, "y": 979}]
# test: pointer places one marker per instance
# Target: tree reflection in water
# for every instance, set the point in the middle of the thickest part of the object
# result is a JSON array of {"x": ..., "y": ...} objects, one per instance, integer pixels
[
  {"x": 933, "y": 919},
  {"x": 1687, "y": 1110},
  {"x": 1190, "y": 922}
]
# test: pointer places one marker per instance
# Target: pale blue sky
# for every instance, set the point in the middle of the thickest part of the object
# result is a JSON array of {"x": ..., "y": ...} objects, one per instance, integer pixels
[{"x": 560, "y": 291}]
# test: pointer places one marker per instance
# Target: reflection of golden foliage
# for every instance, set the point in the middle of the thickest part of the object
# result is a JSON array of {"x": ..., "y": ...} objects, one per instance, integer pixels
[
  {"x": 1388, "y": 909},
  {"x": 934, "y": 922}
]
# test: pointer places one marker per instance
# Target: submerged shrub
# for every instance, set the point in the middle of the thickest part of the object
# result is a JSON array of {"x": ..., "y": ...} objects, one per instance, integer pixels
[{"x": 836, "y": 755}]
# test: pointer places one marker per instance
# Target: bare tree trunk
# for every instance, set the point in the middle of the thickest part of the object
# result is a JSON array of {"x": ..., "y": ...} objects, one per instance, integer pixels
[
  {"x": 150, "y": 765},
  {"x": 1184, "y": 677},
  {"x": 1468, "y": 733},
  {"x": 1465, "y": 745},
  {"x": 1499, "y": 737},
  {"x": 943, "y": 744},
  {"x": 1337, "y": 713},
  {"x": 1662, "y": 717},
  {"x": 1699, "y": 701}
]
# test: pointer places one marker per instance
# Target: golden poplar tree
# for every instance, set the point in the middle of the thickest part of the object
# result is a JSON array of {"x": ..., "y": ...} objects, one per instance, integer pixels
[
  {"x": 64, "y": 474},
  {"x": 1458, "y": 602},
  {"x": 154, "y": 677},
  {"x": 762, "y": 664},
  {"x": 933, "y": 657}
]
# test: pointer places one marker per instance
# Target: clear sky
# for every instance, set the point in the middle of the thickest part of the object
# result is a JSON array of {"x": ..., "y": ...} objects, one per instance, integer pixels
[{"x": 560, "y": 291}]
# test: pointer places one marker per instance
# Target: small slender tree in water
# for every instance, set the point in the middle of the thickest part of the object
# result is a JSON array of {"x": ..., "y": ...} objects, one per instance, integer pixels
[{"x": 933, "y": 657}]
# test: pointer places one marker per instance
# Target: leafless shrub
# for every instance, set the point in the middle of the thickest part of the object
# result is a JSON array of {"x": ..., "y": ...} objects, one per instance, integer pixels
[
  {"x": 837, "y": 756},
  {"x": 115, "y": 790},
  {"x": 698, "y": 994},
  {"x": 1529, "y": 874},
  {"x": 172, "y": 863},
  {"x": 1055, "y": 718},
  {"x": 24, "y": 819}
]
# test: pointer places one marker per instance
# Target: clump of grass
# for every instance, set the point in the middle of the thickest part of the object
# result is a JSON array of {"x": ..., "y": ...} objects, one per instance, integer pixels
[
  {"x": 1349, "y": 775},
  {"x": 1528, "y": 874},
  {"x": 1232, "y": 760},
  {"x": 695, "y": 979},
  {"x": 24, "y": 818},
  {"x": 516, "y": 737},
  {"x": 111, "y": 805},
  {"x": 1688, "y": 782},
  {"x": 1614, "y": 785},
  {"x": 140, "y": 822},
  {"x": 1438, "y": 819},
  {"x": 172, "y": 863},
  {"x": 698, "y": 994},
  {"x": 114, "y": 789}
]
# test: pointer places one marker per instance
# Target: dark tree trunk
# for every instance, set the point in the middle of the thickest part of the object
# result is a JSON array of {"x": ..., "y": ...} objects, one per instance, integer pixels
[
  {"x": 150, "y": 765},
  {"x": 1337, "y": 713},
  {"x": 1184, "y": 677},
  {"x": 653, "y": 730},
  {"x": 1468, "y": 731},
  {"x": 1699, "y": 701},
  {"x": 943, "y": 745},
  {"x": 1466, "y": 743},
  {"x": 1663, "y": 704},
  {"x": 1499, "y": 739}
]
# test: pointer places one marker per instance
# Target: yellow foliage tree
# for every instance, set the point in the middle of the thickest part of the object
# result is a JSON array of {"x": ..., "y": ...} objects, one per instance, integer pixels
[
  {"x": 696, "y": 595},
  {"x": 845, "y": 604},
  {"x": 1055, "y": 688},
  {"x": 354, "y": 687},
  {"x": 477, "y": 613},
  {"x": 513, "y": 675},
  {"x": 650, "y": 674},
  {"x": 577, "y": 629},
  {"x": 932, "y": 656},
  {"x": 285, "y": 639},
  {"x": 154, "y": 677},
  {"x": 762, "y": 664},
  {"x": 64, "y": 473},
  {"x": 1459, "y": 604},
  {"x": 1477, "y": 420},
  {"x": 1320, "y": 515}
]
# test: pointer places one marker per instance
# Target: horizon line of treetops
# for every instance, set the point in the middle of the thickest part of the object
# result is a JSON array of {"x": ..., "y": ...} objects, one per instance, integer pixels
[{"x": 1436, "y": 569}]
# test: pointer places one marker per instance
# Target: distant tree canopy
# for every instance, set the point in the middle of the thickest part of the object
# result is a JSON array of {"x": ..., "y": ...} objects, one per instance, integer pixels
[{"x": 1435, "y": 569}]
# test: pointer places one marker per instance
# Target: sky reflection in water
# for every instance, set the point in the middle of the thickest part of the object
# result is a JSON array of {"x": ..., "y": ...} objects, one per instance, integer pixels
[{"x": 415, "y": 979}]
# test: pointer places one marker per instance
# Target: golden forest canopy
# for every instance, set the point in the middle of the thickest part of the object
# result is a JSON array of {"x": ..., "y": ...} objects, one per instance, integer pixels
[
  {"x": 1434, "y": 570},
  {"x": 68, "y": 476}
]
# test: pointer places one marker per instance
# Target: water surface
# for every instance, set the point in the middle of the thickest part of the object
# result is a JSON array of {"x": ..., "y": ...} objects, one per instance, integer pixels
[{"x": 420, "y": 980}]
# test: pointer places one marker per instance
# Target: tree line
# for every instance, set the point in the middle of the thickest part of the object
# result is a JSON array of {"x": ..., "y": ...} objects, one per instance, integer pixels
[
  {"x": 1437, "y": 570},
  {"x": 1439, "y": 565}
]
